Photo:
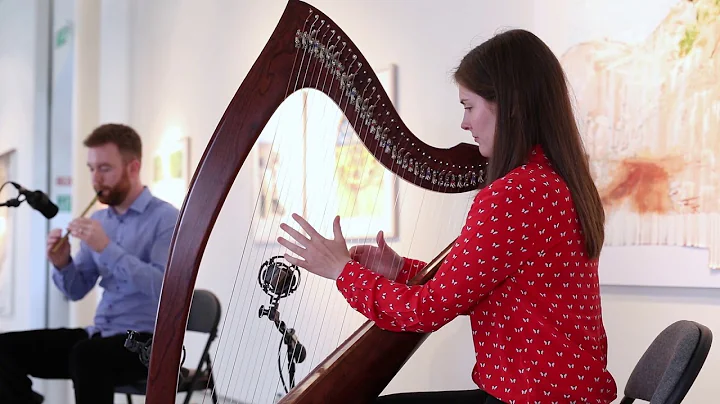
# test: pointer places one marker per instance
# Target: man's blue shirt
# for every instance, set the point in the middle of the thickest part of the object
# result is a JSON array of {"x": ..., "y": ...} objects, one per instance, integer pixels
[{"x": 130, "y": 268}]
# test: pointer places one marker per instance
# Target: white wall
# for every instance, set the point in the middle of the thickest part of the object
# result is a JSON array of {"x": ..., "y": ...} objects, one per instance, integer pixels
[
  {"x": 183, "y": 61},
  {"x": 23, "y": 127},
  {"x": 24, "y": 58}
]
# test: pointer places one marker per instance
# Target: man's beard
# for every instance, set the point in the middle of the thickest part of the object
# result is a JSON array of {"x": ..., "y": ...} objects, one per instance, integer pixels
[{"x": 116, "y": 195}]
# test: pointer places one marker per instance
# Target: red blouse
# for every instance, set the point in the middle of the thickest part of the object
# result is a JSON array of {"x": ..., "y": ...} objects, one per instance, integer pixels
[{"x": 519, "y": 270}]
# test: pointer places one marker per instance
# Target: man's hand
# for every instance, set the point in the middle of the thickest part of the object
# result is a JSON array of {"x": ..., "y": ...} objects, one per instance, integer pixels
[
  {"x": 60, "y": 257},
  {"x": 91, "y": 232}
]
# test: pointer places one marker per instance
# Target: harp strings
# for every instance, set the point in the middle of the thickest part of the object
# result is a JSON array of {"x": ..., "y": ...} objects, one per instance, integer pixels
[
  {"x": 235, "y": 326},
  {"x": 247, "y": 347}
]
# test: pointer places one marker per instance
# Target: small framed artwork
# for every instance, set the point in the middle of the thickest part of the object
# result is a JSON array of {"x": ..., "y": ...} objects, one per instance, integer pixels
[
  {"x": 171, "y": 171},
  {"x": 7, "y": 236},
  {"x": 347, "y": 180},
  {"x": 278, "y": 174},
  {"x": 310, "y": 161}
]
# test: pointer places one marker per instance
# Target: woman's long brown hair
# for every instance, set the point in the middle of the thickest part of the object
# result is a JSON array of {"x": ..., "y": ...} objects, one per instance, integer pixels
[{"x": 518, "y": 72}]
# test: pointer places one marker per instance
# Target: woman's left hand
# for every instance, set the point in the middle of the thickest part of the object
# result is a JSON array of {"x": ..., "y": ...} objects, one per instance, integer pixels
[{"x": 319, "y": 255}]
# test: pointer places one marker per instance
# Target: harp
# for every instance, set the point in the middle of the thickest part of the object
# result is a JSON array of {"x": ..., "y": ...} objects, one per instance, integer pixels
[{"x": 307, "y": 50}]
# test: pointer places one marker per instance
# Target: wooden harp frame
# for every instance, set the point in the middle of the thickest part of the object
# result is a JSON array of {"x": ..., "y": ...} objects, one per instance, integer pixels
[{"x": 304, "y": 40}]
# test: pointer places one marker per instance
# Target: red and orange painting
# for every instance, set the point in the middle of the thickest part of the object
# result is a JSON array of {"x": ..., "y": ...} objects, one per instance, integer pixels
[{"x": 650, "y": 112}]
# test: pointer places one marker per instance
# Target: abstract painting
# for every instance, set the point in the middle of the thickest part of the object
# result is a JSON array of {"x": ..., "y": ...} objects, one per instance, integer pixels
[{"x": 650, "y": 111}]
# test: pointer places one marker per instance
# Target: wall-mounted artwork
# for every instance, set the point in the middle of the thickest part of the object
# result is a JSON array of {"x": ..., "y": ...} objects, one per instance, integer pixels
[
  {"x": 310, "y": 161},
  {"x": 650, "y": 110},
  {"x": 7, "y": 225},
  {"x": 171, "y": 171},
  {"x": 350, "y": 181}
]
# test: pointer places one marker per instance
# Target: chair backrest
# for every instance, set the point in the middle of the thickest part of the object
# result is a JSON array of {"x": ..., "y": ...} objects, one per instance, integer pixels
[
  {"x": 669, "y": 366},
  {"x": 205, "y": 312}
]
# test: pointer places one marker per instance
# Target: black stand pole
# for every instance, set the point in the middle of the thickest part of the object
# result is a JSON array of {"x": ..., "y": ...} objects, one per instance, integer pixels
[{"x": 295, "y": 351}]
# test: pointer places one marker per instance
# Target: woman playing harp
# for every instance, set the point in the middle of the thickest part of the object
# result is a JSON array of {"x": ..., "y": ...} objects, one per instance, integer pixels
[
  {"x": 524, "y": 266},
  {"x": 309, "y": 57}
]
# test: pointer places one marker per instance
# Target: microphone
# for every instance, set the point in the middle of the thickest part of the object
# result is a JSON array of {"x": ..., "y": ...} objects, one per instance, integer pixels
[
  {"x": 277, "y": 279},
  {"x": 38, "y": 200}
]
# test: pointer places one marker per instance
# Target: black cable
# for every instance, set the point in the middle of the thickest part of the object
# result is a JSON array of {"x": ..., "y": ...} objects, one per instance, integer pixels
[{"x": 282, "y": 379}]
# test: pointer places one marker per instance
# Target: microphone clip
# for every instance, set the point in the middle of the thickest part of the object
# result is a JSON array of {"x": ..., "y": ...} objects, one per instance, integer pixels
[{"x": 12, "y": 203}]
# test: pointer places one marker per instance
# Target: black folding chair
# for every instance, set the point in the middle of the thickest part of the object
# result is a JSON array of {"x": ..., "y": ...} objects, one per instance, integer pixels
[{"x": 204, "y": 317}]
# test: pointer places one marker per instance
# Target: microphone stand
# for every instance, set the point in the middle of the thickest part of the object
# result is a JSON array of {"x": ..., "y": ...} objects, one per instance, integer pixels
[
  {"x": 293, "y": 357},
  {"x": 278, "y": 280}
]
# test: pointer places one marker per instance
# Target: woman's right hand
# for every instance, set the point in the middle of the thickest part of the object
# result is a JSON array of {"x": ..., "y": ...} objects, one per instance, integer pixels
[
  {"x": 382, "y": 259},
  {"x": 60, "y": 257}
]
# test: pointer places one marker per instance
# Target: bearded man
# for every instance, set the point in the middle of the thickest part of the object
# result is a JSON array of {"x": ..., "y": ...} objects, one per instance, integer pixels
[{"x": 126, "y": 247}]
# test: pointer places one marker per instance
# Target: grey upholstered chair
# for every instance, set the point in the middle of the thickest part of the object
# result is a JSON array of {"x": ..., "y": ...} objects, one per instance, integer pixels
[
  {"x": 669, "y": 366},
  {"x": 204, "y": 317}
]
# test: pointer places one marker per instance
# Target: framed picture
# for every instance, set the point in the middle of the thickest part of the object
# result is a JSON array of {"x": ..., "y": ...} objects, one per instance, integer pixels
[
  {"x": 278, "y": 174},
  {"x": 311, "y": 161},
  {"x": 347, "y": 180},
  {"x": 171, "y": 171},
  {"x": 7, "y": 227}
]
